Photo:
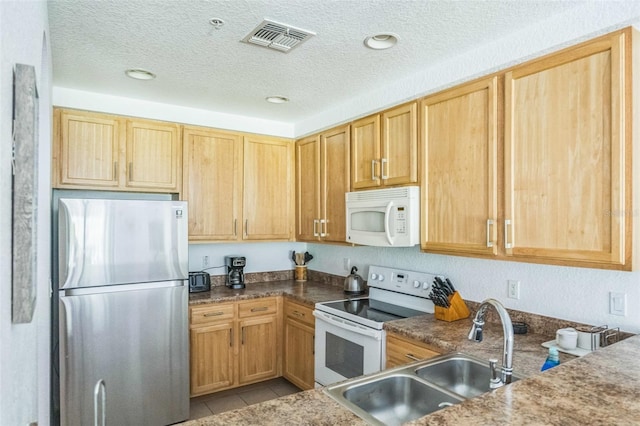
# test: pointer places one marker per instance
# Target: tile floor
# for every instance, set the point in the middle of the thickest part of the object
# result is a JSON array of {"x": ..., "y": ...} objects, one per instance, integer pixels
[{"x": 231, "y": 399}]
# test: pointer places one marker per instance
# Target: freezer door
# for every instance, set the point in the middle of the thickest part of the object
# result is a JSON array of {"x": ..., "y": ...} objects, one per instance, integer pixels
[
  {"x": 107, "y": 242},
  {"x": 126, "y": 351}
]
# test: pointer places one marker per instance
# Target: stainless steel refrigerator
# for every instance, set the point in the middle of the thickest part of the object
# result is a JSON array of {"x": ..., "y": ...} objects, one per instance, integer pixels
[{"x": 123, "y": 295}]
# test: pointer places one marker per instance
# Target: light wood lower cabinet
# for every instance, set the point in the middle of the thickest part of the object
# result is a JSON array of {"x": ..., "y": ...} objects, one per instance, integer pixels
[
  {"x": 299, "y": 340},
  {"x": 402, "y": 350},
  {"x": 234, "y": 344}
]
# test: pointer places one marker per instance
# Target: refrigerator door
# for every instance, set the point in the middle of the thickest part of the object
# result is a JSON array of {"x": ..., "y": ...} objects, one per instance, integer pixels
[
  {"x": 109, "y": 242},
  {"x": 124, "y": 355}
]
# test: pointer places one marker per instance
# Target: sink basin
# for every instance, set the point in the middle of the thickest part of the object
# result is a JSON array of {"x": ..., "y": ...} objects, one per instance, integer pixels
[
  {"x": 460, "y": 374},
  {"x": 393, "y": 399},
  {"x": 401, "y": 394}
]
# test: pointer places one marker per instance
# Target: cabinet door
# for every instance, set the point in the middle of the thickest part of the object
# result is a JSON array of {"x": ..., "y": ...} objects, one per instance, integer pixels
[
  {"x": 154, "y": 155},
  {"x": 299, "y": 353},
  {"x": 335, "y": 181},
  {"x": 564, "y": 155},
  {"x": 211, "y": 358},
  {"x": 88, "y": 150},
  {"x": 401, "y": 350},
  {"x": 459, "y": 196},
  {"x": 365, "y": 153},
  {"x": 399, "y": 163},
  {"x": 268, "y": 189},
  {"x": 212, "y": 169},
  {"x": 299, "y": 333},
  {"x": 308, "y": 189},
  {"x": 258, "y": 349}
]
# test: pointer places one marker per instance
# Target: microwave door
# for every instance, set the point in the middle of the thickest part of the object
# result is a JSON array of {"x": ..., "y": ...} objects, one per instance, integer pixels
[{"x": 389, "y": 229}]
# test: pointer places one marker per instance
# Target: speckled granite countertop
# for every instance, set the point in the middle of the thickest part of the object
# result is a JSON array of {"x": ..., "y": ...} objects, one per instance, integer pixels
[{"x": 600, "y": 388}]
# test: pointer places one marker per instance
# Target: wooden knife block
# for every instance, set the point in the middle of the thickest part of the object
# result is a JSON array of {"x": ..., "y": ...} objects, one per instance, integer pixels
[{"x": 457, "y": 309}]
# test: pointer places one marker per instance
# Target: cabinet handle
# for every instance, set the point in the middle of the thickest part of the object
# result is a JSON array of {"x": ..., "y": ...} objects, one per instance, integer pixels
[
  {"x": 235, "y": 227},
  {"x": 412, "y": 357},
  {"x": 214, "y": 314},
  {"x": 323, "y": 225},
  {"x": 373, "y": 170},
  {"x": 490, "y": 223},
  {"x": 384, "y": 161},
  {"x": 100, "y": 389},
  {"x": 231, "y": 337},
  {"x": 314, "y": 344},
  {"x": 242, "y": 336},
  {"x": 298, "y": 314},
  {"x": 315, "y": 228},
  {"x": 246, "y": 227},
  {"x": 507, "y": 224},
  {"x": 130, "y": 172},
  {"x": 260, "y": 309},
  {"x": 115, "y": 170}
]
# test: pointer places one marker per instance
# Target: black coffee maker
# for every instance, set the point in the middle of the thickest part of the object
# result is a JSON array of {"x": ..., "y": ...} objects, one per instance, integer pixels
[{"x": 235, "y": 271}]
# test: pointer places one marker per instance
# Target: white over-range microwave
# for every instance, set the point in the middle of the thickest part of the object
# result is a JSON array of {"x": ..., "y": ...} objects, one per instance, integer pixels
[{"x": 384, "y": 217}]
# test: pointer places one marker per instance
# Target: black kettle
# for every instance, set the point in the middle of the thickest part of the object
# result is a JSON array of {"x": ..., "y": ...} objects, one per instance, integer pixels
[{"x": 353, "y": 283}]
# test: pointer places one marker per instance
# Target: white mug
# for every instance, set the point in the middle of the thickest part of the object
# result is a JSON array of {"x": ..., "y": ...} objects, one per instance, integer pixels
[{"x": 567, "y": 338}]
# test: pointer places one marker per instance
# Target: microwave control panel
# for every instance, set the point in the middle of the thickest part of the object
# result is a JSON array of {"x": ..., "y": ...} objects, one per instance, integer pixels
[{"x": 401, "y": 220}]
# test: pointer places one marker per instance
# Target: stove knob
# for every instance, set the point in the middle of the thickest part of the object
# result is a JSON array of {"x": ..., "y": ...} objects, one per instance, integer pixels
[
  {"x": 425, "y": 285},
  {"x": 374, "y": 276},
  {"x": 416, "y": 284},
  {"x": 381, "y": 277}
]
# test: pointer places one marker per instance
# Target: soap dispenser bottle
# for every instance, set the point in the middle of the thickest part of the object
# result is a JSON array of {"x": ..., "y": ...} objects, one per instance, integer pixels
[{"x": 553, "y": 359}]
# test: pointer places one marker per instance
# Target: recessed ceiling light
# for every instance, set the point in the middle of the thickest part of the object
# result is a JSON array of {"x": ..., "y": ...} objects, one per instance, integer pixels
[
  {"x": 381, "y": 41},
  {"x": 277, "y": 99},
  {"x": 140, "y": 74},
  {"x": 217, "y": 23}
]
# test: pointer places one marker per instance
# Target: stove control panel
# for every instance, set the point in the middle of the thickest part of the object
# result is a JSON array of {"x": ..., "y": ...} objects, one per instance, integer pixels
[{"x": 402, "y": 281}]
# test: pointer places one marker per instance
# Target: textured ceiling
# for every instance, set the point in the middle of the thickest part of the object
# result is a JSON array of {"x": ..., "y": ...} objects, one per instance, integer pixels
[{"x": 197, "y": 66}]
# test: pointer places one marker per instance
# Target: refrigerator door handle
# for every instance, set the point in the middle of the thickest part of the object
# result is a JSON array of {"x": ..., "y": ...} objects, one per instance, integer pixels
[
  {"x": 100, "y": 389},
  {"x": 119, "y": 288}
]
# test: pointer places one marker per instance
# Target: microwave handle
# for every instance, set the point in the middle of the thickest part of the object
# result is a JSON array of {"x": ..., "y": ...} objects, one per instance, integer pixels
[{"x": 387, "y": 220}]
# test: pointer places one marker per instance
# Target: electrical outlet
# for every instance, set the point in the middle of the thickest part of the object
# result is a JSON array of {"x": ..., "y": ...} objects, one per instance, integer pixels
[
  {"x": 513, "y": 289},
  {"x": 618, "y": 303},
  {"x": 346, "y": 263},
  {"x": 205, "y": 262}
]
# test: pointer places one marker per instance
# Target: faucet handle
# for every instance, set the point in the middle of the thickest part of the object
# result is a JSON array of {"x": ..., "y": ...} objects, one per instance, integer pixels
[{"x": 495, "y": 381}]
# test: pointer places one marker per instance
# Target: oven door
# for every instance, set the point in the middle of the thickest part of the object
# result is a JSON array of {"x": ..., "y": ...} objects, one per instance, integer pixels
[{"x": 344, "y": 349}]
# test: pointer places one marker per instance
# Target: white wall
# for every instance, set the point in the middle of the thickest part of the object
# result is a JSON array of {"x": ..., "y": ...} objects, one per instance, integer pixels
[
  {"x": 576, "y": 294},
  {"x": 261, "y": 257},
  {"x": 24, "y": 348}
]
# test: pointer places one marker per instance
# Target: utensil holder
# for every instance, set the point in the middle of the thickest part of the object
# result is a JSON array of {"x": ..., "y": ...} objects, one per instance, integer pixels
[
  {"x": 457, "y": 309},
  {"x": 301, "y": 273}
]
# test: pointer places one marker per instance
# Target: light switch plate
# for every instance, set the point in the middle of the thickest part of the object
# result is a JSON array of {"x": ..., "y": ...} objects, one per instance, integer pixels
[{"x": 617, "y": 303}]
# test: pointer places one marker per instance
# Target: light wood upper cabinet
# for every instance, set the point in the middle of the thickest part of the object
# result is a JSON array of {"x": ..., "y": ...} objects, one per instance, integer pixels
[
  {"x": 308, "y": 189},
  {"x": 268, "y": 189},
  {"x": 154, "y": 155},
  {"x": 384, "y": 148},
  {"x": 101, "y": 151},
  {"x": 212, "y": 167},
  {"x": 322, "y": 179},
  {"x": 567, "y": 137},
  {"x": 86, "y": 151},
  {"x": 459, "y": 159}
]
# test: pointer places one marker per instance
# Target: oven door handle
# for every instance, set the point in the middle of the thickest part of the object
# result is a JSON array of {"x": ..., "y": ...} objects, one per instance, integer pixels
[{"x": 348, "y": 325}]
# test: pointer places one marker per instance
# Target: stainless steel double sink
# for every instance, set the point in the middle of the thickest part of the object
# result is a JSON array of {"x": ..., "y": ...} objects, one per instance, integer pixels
[{"x": 405, "y": 393}]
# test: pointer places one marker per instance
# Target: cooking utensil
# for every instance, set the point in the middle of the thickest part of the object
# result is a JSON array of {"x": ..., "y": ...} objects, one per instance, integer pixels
[{"x": 353, "y": 283}]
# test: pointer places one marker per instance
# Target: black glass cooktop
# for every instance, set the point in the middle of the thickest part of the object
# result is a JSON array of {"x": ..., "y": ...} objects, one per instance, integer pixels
[{"x": 374, "y": 310}]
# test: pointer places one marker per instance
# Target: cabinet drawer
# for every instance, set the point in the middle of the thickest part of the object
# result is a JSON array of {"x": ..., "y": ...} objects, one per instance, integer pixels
[
  {"x": 257, "y": 307},
  {"x": 401, "y": 350},
  {"x": 299, "y": 312},
  {"x": 205, "y": 314}
]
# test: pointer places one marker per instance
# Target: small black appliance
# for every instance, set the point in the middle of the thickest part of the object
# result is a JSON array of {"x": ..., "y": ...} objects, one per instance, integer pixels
[
  {"x": 199, "y": 281},
  {"x": 235, "y": 271}
]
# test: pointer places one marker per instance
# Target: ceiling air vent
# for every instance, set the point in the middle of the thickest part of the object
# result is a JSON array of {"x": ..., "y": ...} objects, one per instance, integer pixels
[{"x": 277, "y": 36}]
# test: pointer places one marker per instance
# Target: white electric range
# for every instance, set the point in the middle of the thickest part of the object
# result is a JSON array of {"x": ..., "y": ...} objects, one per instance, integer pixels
[{"x": 350, "y": 340}]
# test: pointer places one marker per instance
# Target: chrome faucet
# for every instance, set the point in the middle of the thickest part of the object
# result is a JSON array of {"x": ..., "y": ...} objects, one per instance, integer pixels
[{"x": 507, "y": 353}]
